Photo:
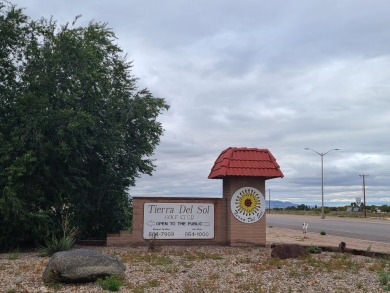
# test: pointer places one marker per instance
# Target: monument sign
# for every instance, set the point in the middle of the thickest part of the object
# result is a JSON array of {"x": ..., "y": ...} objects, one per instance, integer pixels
[{"x": 237, "y": 218}]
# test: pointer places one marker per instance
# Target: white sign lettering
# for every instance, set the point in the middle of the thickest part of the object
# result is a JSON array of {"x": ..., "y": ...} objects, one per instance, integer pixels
[{"x": 178, "y": 221}]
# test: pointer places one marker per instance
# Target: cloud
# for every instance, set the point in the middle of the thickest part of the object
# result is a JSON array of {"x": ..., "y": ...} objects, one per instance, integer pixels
[{"x": 270, "y": 74}]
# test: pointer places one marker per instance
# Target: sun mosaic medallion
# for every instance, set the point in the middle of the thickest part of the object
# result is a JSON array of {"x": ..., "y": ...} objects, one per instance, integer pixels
[{"x": 248, "y": 205}]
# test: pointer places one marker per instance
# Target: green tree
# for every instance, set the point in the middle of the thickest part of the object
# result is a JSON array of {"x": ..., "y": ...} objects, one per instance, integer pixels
[
  {"x": 75, "y": 131},
  {"x": 302, "y": 207},
  {"x": 385, "y": 208}
]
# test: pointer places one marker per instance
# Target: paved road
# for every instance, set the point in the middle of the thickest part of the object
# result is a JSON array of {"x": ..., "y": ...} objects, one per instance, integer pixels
[{"x": 366, "y": 229}]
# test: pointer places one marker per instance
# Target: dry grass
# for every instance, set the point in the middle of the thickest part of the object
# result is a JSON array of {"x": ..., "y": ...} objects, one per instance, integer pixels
[{"x": 213, "y": 269}]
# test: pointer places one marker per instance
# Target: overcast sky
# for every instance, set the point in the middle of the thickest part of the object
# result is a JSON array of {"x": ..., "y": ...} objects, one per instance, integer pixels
[{"x": 281, "y": 75}]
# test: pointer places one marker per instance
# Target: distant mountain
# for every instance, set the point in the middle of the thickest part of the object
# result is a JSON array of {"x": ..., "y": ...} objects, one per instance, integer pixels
[{"x": 280, "y": 204}]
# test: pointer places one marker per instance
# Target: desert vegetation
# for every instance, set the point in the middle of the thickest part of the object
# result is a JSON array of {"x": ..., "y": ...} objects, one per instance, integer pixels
[{"x": 211, "y": 269}]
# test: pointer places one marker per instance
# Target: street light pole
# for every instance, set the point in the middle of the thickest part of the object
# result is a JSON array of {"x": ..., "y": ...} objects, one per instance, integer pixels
[
  {"x": 322, "y": 187},
  {"x": 269, "y": 200},
  {"x": 322, "y": 177}
]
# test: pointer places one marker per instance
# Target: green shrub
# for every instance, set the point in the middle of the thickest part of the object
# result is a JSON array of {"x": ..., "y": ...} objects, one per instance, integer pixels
[
  {"x": 314, "y": 249},
  {"x": 110, "y": 283},
  {"x": 57, "y": 244},
  {"x": 14, "y": 254},
  {"x": 64, "y": 242},
  {"x": 384, "y": 279},
  {"x": 323, "y": 233},
  {"x": 55, "y": 285}
]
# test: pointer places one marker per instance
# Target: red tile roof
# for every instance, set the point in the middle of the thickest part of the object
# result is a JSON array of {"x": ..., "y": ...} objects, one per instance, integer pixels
[{"x": 245, "y": 162}]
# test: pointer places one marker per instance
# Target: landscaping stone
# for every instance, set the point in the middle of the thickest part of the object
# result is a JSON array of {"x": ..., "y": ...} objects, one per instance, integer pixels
[
  {"x": 285, "y": 251},
  {"x": 80, "y": 266},
  {"x": 342, "y": 246}
]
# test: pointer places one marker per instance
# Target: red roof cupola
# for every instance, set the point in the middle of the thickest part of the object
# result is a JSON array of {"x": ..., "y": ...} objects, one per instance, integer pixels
[{"x": 245, "y": 162}]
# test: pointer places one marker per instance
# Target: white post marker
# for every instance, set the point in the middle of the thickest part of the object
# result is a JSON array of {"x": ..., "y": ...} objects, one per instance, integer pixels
[{"x": 304, "y": 229}]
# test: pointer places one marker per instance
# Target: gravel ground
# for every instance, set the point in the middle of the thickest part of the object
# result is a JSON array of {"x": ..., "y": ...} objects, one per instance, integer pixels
[{"x": 214, "y": 269}]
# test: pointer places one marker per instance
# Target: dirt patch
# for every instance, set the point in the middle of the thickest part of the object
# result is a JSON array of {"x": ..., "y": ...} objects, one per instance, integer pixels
[{"x": 281, "y": 236}]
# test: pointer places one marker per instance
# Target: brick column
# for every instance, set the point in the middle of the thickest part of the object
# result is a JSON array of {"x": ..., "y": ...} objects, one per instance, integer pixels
[{"x": 239, "y": 233}]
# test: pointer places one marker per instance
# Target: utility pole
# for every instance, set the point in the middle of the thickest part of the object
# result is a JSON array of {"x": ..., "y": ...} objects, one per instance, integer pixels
[
  {"x": 269, "y": 201},
  {"x": 364, "y": 193}
]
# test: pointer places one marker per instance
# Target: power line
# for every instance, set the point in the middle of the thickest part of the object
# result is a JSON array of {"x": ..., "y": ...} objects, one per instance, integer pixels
[{"x": 379, "y": 172}]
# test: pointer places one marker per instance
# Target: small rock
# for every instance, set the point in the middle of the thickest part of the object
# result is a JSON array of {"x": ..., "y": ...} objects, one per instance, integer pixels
[
  {"x": 285, "y": 251},
  {"x": 342, "y": 246}
]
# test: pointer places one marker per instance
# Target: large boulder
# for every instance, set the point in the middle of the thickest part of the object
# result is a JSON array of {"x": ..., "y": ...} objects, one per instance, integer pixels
[
  {"x": 82, "y": 265},
  {"x": 285, "y": 251}
]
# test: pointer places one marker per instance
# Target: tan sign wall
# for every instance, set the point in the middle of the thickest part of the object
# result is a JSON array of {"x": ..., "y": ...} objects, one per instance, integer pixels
[
  {"x": 249, "y": 229},
  {"x": 136, "y": 237}
]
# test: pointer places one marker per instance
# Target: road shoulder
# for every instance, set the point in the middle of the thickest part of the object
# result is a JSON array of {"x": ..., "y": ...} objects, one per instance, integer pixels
[{"x": 281, "y": 236}]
